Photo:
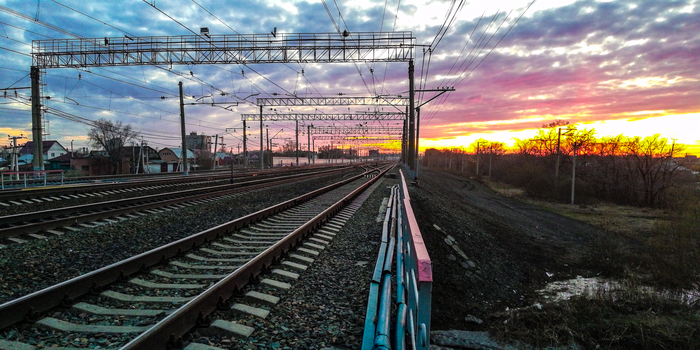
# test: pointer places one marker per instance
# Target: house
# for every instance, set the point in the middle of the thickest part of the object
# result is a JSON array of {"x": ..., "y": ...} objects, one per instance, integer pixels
[
  {"x": 142, "y": 159},
  {"x": 62, "y": 162},
  {"x": 52, "y": 149},
  {"x": 222, "y": 159},
  {"x": 171, "y": 158}
]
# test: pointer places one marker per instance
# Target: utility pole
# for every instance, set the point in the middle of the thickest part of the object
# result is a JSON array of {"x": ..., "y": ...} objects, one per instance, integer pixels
[
  {"x": 14, "y": 165},
  {"x": 404, "y": 134},
  {"x": 182, "y": 130},
  {"x": 490, "y": 158},
  {"x": 37, "y": 128},
  {"x": 297, "y": 139},
  {"x": 245, "y": 149},
  {"x": 573, "y": 175},
  {"x": 309, "y": 155},
  {"x": 411, "y": 119},
  {"x": 415, "y": 178},
  {"x": 261, "y": 137},
  {"x": 216, "y": 143},
  {"x": 556, "y": 167},
  {"x": 477, "y": 158},
  {"x": 267, "y": 142}
]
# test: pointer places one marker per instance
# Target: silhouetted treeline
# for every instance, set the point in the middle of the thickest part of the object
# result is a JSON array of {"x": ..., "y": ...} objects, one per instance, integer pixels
[{"x": 624, "y": 170}]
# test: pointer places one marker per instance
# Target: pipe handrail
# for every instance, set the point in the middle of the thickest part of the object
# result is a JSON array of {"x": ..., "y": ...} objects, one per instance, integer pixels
[{"x": 413, "y": 281}]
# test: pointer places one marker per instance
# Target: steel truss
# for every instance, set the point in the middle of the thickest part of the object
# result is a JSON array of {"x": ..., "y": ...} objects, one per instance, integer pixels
[
  {"x": 224, "y": 49},
  {"x": 333, "y": 101},
  {"x": 357, "y": 138},
  {"x": 334, "y": 130},
  {"x": 322, "y": 116}
]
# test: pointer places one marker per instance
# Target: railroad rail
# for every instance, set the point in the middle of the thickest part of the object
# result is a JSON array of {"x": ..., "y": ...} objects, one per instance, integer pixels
[
  {"x": 243, "y": 248},
  {"x": 13, "y": 226},
  {"x": 115, "y": 183}
]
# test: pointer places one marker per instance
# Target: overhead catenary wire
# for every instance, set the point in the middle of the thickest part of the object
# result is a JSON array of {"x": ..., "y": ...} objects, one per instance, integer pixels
[{"x": 475, "y": 53}]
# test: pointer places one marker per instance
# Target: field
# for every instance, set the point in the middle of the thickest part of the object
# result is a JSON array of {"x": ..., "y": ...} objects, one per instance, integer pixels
[{"x": 645, "y": 264}]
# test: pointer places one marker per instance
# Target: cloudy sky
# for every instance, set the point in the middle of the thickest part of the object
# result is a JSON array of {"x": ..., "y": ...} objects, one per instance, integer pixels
[{"x": 629, "y": 67}]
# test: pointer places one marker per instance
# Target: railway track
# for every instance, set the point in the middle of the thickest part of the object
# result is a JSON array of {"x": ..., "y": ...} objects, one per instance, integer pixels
[
  {"x": 21, "y": 200},
  {"x": 56, "y": 221},
  {"x": 157, "y": 296}
]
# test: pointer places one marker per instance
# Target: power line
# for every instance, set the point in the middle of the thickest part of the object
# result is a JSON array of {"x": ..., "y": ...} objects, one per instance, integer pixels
[
  {"x": 28, "y": 18},
  {"x": 21, "y": 53},
  {"x": 93, "y": 18}
]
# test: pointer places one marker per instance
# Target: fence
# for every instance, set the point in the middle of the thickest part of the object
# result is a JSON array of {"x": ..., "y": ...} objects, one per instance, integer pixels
[
  {"x": 34, "y": 177},
  {"x": 400, "y": 232}
]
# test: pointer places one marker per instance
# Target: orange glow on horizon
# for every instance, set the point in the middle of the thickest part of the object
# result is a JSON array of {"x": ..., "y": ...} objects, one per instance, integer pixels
[{"x": 681, "y": 127}]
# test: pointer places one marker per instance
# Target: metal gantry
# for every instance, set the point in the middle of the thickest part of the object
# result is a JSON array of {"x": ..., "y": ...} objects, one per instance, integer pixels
[
  {"x": 323, "y": 116},
  {"x": 224, "y": 49},
  {"x": 333, "y": 101},
  {"x": 356, "y": 130},
  {"x": 356, "y": 138},
  {"x": 233, "y": 49}
]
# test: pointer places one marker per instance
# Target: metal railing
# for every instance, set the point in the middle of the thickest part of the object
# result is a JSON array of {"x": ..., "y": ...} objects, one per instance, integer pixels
[
  {"x": 38, "y": 176},
  {"x": 413, "y": 281}
]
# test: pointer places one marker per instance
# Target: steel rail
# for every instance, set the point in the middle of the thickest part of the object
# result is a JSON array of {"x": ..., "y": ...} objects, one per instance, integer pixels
[
  {"x": 96, "y": 211},
  {"x": 28, "y": 306},
  {"x": 78, "y": 188},
  {"x": 185, "y": 318}
]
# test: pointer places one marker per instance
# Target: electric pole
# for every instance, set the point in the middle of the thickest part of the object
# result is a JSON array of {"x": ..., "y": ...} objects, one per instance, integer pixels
[
  {"x": 309, "y": 155},
  {"x": 267, "y": 142},
  {"x": 556, "y": 167},
  {"x": 245, "y": 149},
  {"x": 37, "y": 129},
  {"x": 573, "y": 175},
  {"x": 182, "y": 130},
  {"x": 261, "y": 137},
  {"x": 477, "y": 158},
  {"x": 490, "y": 159},
  {"x": 14, "y": 165}
]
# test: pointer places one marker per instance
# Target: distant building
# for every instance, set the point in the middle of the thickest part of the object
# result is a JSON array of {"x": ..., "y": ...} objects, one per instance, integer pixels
[
  {"x": 52, "y": 149},
  {"x": 198, "y": 142},
  {"x": 172, "y": 157}
]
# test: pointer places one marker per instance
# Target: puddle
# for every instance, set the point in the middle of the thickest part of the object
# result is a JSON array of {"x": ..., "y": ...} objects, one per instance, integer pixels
[
  {"x": 579, "y": 286},
  {"x": 590, "y": 286}
]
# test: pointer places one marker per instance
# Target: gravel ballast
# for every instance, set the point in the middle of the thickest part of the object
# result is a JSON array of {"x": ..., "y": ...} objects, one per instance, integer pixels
[
  {"x": 37, "y": 264},
  {"x": 325, "y": 308}
]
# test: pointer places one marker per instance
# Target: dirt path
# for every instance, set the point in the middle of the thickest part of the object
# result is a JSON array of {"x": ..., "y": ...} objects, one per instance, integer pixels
[{"x": 507, "y": 249}]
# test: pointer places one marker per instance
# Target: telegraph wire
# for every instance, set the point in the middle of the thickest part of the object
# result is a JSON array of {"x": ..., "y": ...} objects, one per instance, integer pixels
[
  {"x": 86, "y": 15},
  {"x": 26, "y": 30},
  {"x": 199, "y": 36},
  {"x": 20, "y": 79},
  {"x": 499, "y": 41},
  {"x": 28, "y": 18},
  {"x": 21, "y": 53}
]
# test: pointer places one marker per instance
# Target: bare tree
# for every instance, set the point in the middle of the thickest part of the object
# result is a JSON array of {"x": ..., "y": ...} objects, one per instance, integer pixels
[
  {"x": 111, "y": 137},
  {"x": 526, "y": 147},
  {"x": 651, "y": 158},
  {"x": 289, "y": 148}
]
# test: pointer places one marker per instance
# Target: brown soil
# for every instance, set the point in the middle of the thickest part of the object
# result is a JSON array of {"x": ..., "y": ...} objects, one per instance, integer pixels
[{"x": 510, "y": 246}]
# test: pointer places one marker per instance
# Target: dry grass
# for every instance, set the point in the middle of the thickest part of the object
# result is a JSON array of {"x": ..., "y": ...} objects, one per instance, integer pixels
[
  {"x": 631, "y": 319},
  {"x": 641, "y": 247}
]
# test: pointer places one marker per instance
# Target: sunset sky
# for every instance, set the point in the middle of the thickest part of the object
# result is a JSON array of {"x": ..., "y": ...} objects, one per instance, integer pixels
[{"x": 629, "y": 67}]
